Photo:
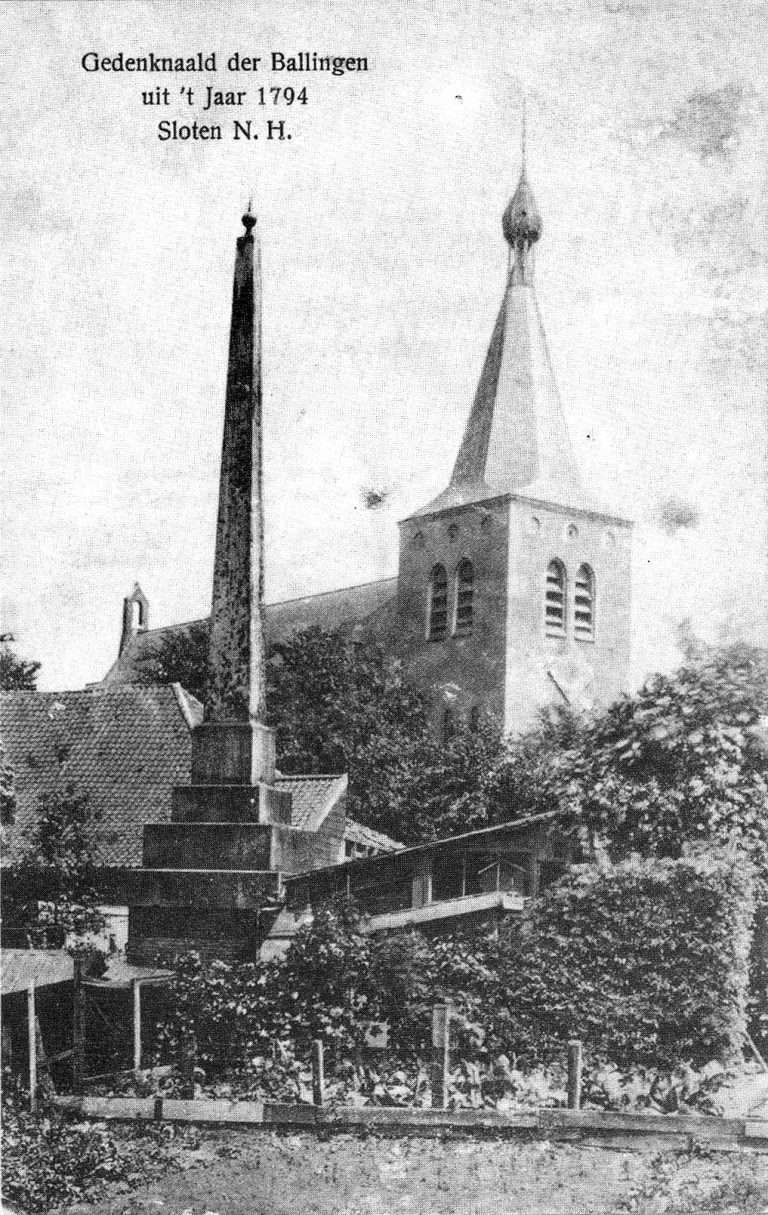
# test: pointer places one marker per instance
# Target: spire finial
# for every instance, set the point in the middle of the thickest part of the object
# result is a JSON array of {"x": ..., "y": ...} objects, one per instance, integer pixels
[{"x": 521, "y": 221}]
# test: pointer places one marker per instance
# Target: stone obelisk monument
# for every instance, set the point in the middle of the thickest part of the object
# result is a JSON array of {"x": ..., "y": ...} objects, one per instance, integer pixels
[
  {"x": 211, "y": 876},
  {"x": 234, "y": 746}
]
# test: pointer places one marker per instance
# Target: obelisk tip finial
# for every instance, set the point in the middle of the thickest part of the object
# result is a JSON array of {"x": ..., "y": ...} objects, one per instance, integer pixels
[{"x": 522, "y": 138}]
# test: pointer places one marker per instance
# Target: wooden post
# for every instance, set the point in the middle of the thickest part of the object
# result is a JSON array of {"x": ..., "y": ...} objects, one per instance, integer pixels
[
  {"x": 78, "y": 1027},
  {"x": 441, "y": 1034},
  {"x": 189, "y": 1059},
  {"x": 32, "y": 1042},
  {"x": 136, "y": 991},
  {"x": 45, "y": 1082},
  {"x": 318, "y": 1076},
  {"x": 574, "y": 1074}
]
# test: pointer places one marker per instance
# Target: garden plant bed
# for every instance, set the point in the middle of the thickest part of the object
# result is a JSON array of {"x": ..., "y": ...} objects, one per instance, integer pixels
[{"x": 230, "y": 1171}]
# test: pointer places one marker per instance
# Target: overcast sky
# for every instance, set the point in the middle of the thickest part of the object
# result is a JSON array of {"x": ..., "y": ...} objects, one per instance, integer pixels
[{"x": 384, "y": 266}]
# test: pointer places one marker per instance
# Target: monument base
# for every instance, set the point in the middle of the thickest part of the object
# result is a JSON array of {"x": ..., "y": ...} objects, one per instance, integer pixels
[
  {"x": 230, "y": 804},
  {"x": 233, "y": 753}
]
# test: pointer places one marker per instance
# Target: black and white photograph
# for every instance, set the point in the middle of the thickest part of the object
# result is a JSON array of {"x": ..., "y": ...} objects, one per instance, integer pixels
[{"x": 384, "y": 607}]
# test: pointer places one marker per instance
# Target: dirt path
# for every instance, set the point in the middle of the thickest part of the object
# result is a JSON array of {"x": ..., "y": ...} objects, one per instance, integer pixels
[{"x": 242, "y": 1173}]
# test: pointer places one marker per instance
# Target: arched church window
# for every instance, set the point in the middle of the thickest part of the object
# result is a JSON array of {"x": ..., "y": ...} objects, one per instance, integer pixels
[
  {"x": 464, "y": 606},
  {"x": 554, "y": 606},
  {"x": 438, "y": 604},
  {"x": 584, "y": 604}
]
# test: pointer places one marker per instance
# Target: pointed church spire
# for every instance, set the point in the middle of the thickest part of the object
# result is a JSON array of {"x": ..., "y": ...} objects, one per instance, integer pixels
[
  {"x": 516, "y": 439},
  {"x": 237, "y": 659}
]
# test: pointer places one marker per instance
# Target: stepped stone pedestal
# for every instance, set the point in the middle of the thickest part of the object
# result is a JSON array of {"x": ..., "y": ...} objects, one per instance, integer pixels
[{"x": 210, "y": 879}]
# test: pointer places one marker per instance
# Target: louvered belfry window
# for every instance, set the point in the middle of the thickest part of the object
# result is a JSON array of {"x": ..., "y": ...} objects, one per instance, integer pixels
[
  {"x": 438, "y": 604},
  {"x": 465, "y": 589},
  {"x": 554, "y": 608},
  {"x": 584, "y": 604}
]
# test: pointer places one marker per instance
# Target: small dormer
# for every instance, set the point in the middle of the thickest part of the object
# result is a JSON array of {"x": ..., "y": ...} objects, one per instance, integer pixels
[{"x": 135, "y": 616}]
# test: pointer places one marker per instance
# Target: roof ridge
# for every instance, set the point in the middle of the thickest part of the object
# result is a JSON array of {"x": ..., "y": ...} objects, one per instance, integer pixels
[
  {"x": 95, "y": 689},
  {"x": 333, "y": 591},
  {"x": 310, "y": 775},
  {"x": 337, "y": 590}
]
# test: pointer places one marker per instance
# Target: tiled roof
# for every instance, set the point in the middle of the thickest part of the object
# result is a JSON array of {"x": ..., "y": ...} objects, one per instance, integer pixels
[
  {"x": 347, "y": 608},
  {"x": 366, "y": 837},
  {"x": 313, "y": 797},
  {"x": 126, "y": 747}
]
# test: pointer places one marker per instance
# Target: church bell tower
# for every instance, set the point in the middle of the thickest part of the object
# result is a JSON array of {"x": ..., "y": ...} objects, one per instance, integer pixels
[{"x": 514, "y": 584}]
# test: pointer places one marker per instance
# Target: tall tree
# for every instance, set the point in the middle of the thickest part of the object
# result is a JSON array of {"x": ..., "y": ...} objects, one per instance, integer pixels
[
  {"x": 340, "y": 705},
  {"x": 16, "y": 674},
  {"x": 48, "y": 892},
  {"x": 682, "y": 762}
]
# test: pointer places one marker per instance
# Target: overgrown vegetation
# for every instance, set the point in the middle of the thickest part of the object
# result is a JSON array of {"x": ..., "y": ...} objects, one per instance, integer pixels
[
  {"x": 48, "y": 889},
  {"x": 615, "y": 956},
  {"x": 49, "y": 1158},
  {"x": 683, "y": 761}
]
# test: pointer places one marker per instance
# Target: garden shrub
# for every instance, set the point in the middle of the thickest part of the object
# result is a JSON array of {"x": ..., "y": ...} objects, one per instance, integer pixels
[
  {"x": 241, "y": 1012},
  {"x": 645, "y": 961}
]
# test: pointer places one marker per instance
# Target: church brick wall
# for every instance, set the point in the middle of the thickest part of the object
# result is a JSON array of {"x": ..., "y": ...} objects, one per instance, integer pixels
[
  {"x": 457, "y": 671},
  {"x": 588, "y": 671}
]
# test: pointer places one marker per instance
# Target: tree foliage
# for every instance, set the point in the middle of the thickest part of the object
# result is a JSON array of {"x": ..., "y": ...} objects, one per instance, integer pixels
[
  {"x": 682, "y": 762},
  {"x": 16, "y": 674},
  {"x": 181, "y": 656},
  {"x": 49, "y": 893},
  {"x": 340, "y": 705}
]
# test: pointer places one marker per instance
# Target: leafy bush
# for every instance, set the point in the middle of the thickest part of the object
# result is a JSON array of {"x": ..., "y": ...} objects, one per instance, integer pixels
[
  {"x": 321, "y": 989},
  {"x": 646, "y": 962}
]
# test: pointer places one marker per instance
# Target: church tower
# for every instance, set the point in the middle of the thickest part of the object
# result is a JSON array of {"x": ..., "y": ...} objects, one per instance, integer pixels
[{"x": 514, "y": 585}]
